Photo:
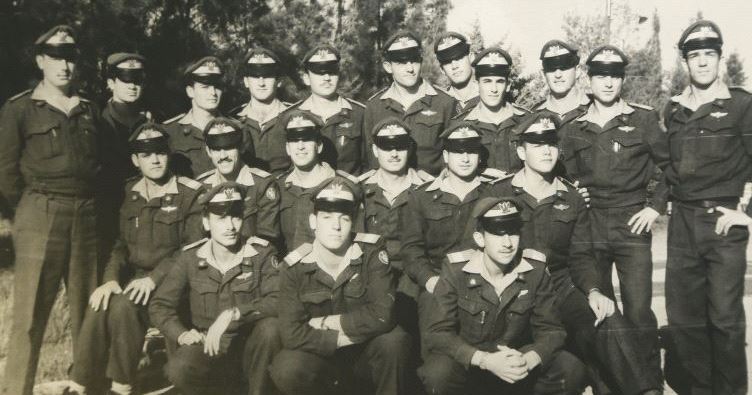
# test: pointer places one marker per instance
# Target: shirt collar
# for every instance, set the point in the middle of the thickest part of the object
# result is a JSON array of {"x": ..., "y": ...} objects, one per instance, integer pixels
[
  {"x": 353, "y": 252},
  {"x": 44, "y": 93},
  {"x": 170, "y": 188},
  {"x": 623, "y": 108},
  {"x": 245, "y": 177},
  {"x": 440, "y": 183},
  {"x": 425, "y": 89},
  {"x": 573, "y": 100},
  {"x": 412, "y": 177},
  {"x": 476, "y": 266},
  {"x": 275, "y": 109},
  {"x": 480, "y": 113},
  {"x": 323, "y": 172},
  {"x": 518, "y": 180},
  {"x": 474, "y": 91},
  {"x": 205, "y": 252},
  {"x": 719, "y": 90},
  {"x": 342, "y": 103}
]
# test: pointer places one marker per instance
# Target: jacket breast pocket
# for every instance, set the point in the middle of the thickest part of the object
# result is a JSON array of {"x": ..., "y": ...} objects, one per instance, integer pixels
[
  {"x": 87, "y": 137},
  {"x": 426, "y": 131},
  {"x": 347, "y": 136},
  {"x": 438, "y": 224},
  {"x": 472, "y": 316},
  {"x": 44, "y": 140},
  {"x": 578, "y": 156},
  {"x": 167, "y": 226},
  {"x": 625, "y": 150},
  {"x": 716, "y": 139},
  {"x": 203, "y": 297},
  {"x": 243, "y": 290}
]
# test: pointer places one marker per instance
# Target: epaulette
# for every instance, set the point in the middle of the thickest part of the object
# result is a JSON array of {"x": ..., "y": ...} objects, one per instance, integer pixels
[
  {"x": 18, "y": 96},
  {"x": 236, "y": 110},
  {"x": 257, "y": 241},
  {"x": 492, "y": 176},
  {"x": 641, "y": 106},
  {"x": 298, "y": 254},
  {"x": 460, "y": 256},
  {"x": 530, "y": 253},
  {"x": 260, "y": 173},
  {"x": 567, "y": 182},
  {"x": 283, "y": 174},
  {"x": 368, "y": 238},
  {"x": 366, "y": 175},
  {"x": 378, "y": 92},
  {"x": 347, "y": 175},
  {"x": 286, "y": 103},
  {"x": 190, "y": 183},
  {"x": 425, "y": 176},
  {"x": 520, "y": 110},
  {"x": 463, "y": 113},
  {"x": 357, "y": 103},
  {"x": 538, "y": 104},
  {"x": 292, "y": 106},
  {"x": 205, "y": 174},
  {"x": 175, "y": 118},
  {"x": 195, "y": 244},
  {"x": 740, "y": 88},
  {"x": 83, "y": 100}
]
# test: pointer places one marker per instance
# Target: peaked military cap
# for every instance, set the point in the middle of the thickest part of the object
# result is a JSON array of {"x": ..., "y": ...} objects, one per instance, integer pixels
[
  {"x": 149, "y": 137},
  {"x": 223, "y": 133},
  {"x": 702, "y": 34},
  {"x": 337, "y": 194},
  {"x": 300, "y": 125},
  {"x": 322, "y": 59},
  {"x": 498, "y": 215},
  {"x": 127, "y": 67},
  {"x": 539, "y": 128},
  {"x": 607, "y": 60},
  {"x": 558, "y": 55},
  {"x": 224, "y": 199},
  {"x": 451, "y": 46},
  {"x": 58, "y": 42},
  {"x": 463, "y": 137},
  {"x": 207, "y": 70},
  {"x": 261, "y": 62},
  {"x": 403, "y": 46},
  {"x": 391, "y": 134},
  {"x": 492, "y": 61}
]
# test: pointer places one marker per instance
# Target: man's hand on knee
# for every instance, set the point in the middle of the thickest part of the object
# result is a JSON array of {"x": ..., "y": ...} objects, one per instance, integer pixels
[{"x": 100, "y": 298}]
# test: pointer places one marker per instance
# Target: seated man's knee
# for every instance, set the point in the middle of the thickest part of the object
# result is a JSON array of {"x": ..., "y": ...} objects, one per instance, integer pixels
[
  {"x": 567, "y": 371},
  {"x": 441, "y": 375},
  {"x": 121, "y": 309},
  {"x": 394, "y": 344},
  {"x": 187, "y": 366},
  {"x": 293, "y": 372},
  {"x": 267, "y": 331}
]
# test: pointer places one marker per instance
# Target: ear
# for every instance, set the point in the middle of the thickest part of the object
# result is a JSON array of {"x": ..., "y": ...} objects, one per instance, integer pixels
[
  {"x": 247, "y": 82},
  {"x": 387, "y": 66},
  {"x": 288, "y": 150},
  {"x": 39, "y": 59},
  {"x": 445, "y": 155},
  {"x": 205, "y": 222},
  {"x": 110, "y": 84},
  {"x": 479, "y": 240},
  {"x": 375, "y": 150},
  {"x": 277, "y": 83},
  {"x": 319, "y": 147},
  {"x": 521, "y": 151},
  {"x": 312, "y": 221},
  {"x": 306, "y": 78},
  {"x": 208, "y": 153},
  {"x": 134, "y": 160},
  {"x": 189, "y": 91}
]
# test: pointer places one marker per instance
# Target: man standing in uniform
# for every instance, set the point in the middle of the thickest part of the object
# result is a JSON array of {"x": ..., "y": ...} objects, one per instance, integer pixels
[
  {"x": 710, "y": 141},
  {"x": 495, "y": 117},
  {"x": 494, "y": 327},
  {"x": 556, "y": 222},
  {"x": 160, "y": 215},
  {"x": 341, "y": 118},
  {"x": 204, "y": 86},
  {"x": 49, "y": 161},
  {"x": 424, "y": 108},
  {"x": 453, "y": 53},
  {"x": 336, "y": 305},
  {"x": 231, "y": 286},
  {"x": 560, "y": 61},
  {"x": 614, "y": 150},
  {"x": 224, "y": 141},
  {"x": 262, "y": 73}
]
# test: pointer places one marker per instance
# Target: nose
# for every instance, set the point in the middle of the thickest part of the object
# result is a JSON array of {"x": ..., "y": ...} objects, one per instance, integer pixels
[
  {"x": 261, "y": 82},
  {"x": 558, "y": 73},
  {"x": 465, "y": 157},
  {"x": 154, "y": 158}
]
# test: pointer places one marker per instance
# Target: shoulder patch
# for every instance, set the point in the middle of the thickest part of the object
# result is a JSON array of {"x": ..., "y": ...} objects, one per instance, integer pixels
[
  {"x": 369, "y": 238},
  {"x": 366, "y": 175},
  {"x": 425, "y": 176},
  {"x": 291, "y": 106},
  {"x": 175, "y": 118},
  {"x": 378, "y": 92},
  {"x": 460, "y": 256},
  {"x": 530, "y": 253},
  {"x": 205, "y": 174},
  {"x": 260, "y": 173},
  {"x": 195, "y": 244},
  {"x": 357, "y": 103},
  {"x": 641, "y": 106},
  {"x": 190, "y": 183},
  {"x": 257, "y": 241},
  {"x": 298, "y": 254},
  {"x": 18, "y": 96},
  {"x": 347, "y": 175}
]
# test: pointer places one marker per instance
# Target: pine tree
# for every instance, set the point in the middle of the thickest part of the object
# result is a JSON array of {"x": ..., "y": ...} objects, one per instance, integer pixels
[{"x": 735, "y": 75}]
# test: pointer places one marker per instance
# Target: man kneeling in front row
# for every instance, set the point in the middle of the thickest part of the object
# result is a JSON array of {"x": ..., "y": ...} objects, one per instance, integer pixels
[
  {"x": 493, "y": 327},
  {"x": 231, "y": 287}
]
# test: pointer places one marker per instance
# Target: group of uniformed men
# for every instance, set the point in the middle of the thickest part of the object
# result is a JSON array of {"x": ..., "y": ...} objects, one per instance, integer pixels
[{"x": 446, "y": 238}]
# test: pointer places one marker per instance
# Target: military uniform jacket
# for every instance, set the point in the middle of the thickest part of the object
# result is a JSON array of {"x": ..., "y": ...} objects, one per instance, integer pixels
[
  {"x": 427, "y": 118},
  {"x": 710, "y": 148},
  {"x": 261, "y": 205},
  {"x": 342, "y": 135},
  {"x": 499, "y": 144},
  {"x": 469, "y": 315},
  {"x": 188, "y": 157},
  {"x": 559, "y": 227},
  {"x": 583, "y": 102},
  {"x": 268, "y": 140},
  {"x": 434, "y": 223},
  {"x": 152, "y": 232},
  {"x": 43, "y": 149},
  {"x": 252, "y": 287},
  {"x": 117, "y": 126},
  {"x": 363, "y": 294},
  {"x": 617, "y": 162}
]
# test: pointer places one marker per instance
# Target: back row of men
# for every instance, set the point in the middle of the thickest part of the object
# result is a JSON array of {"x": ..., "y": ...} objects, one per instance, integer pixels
[{"x": 424, "y": 248}]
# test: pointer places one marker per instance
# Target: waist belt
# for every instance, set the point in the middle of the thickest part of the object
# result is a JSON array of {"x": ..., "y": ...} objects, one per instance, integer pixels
[{"x": 723, "y": 202}]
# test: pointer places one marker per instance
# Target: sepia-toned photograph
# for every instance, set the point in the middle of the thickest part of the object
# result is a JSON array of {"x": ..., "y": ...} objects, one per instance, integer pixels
[{"x": 375, "y": 197}]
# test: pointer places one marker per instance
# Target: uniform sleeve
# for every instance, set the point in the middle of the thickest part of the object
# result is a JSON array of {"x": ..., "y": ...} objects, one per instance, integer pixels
[
  {"x": 413, "y": 254},
  {"x": 268, "y": 206},
  {"x": 265, "y": 305},
  {"x": 657, "y": 141},
  {"x": 746, "y": 125},
  {"x": 118, "y": 259},
  {"x": 192, "y": 230},
  {"x": 295, "y": 332},
  {"x": 369, "y": 122},
  {"x": 581, "y": 257},
  {"x": 548, "y": 332},
  {"x": 443, "y": 321},
  {"x": 10, "y": 155},
  {"x": 163, "y": 308},
  {"x": 376, "y": 316}
]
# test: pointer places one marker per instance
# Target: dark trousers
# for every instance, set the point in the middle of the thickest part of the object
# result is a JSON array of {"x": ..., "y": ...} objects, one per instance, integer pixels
[
  {"x": 615, "y": 245},
  {"x": 55, "y": 238},
  {"x": 381, "y": 362},
  {"x": 610, "y": 351},
  {"x": 442, "y": 375},
  {"x": 110, "y": 343},
  {"x": 704, "y": 290},
  {"x": 193, "y": 372}
]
